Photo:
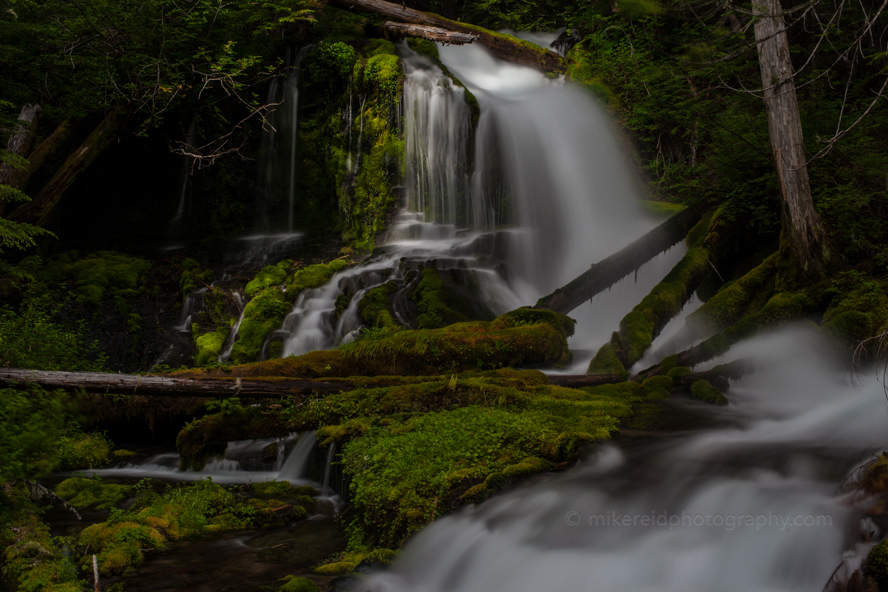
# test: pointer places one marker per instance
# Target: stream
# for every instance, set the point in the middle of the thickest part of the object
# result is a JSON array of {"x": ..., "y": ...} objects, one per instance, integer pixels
[{"x": 741, "y": 498}]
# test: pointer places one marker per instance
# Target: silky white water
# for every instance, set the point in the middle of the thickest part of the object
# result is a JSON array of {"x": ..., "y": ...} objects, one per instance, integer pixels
[
  {"x": 752, "y": 506},
  {"x": 550, "y": 193}
]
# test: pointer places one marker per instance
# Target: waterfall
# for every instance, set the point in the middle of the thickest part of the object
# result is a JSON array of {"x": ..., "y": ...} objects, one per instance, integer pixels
[
  {"x": 331, "y": 454},
  {"x": 749, "y": 506},
  {"x": 436, "y": 137},
  {"x": 296, "y": 465},
  {"x": 278, "y": 152},
  {"x": 184, "y": 206},
  {"x": 550, "y": 194}
]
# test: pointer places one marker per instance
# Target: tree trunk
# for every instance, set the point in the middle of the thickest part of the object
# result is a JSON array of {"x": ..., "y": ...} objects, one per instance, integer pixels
[
  {"x": 46, "y": 149},
  {"x": 168, "y": 386},
  {"x": 432, "y": 33},
  {"x": 609, "y": 271},
  {"x": 785, "y": 132},
  {"x": 20, "y": 144},
  {"x": 77, "y": 162},
  {"x": 505, "y": 47}
]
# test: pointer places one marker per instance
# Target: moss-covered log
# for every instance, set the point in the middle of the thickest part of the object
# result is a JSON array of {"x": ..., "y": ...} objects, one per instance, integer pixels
[
  {"x": 36, "y": 211},
  {"x": 609, "y": 271},
  {"x": 736, "y": 299},
  {"x": 781, "y": 309},
  {"x": 506, "y": 47},
  {"x": 47, "y": 148},
  {"x": 639, "y": 328}
]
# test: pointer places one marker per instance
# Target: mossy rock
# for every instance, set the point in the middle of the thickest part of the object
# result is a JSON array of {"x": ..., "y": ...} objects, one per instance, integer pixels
[
  {"x": 375, "y": 307},
  {"x": 207, "y": 438},
  {"x": 209, "y": 346},
  {"x": 607, "y": 362},
  {"x": 876, "y": 565},
  {"x": 704, "y": 391},
  {"x": 349, "y": 561},
  {"x": 119, "y": 546},
  {"x": 270, "y": 275},
  {"x": 519, "y": 338},
  {"x": 298, "y": 584},
  {"x": 82, "y": 451},
  {"x": 92, "y": 493}
]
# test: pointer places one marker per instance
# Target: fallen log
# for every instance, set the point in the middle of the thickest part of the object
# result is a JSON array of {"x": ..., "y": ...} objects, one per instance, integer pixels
[
  {"x": 436, "y": 34},
  {"x": 505, "y": 47},
  {"x": 46, "y": 149},
  {"x": 611, "y": 270},
  {"x": 168, "y": 386},
  {"x": 37, "y": 210}
]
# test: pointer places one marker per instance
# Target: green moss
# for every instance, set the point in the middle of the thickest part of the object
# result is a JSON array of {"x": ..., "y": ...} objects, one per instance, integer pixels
[
  {"x": 876, "y": 565},
  {"x": 209, "y": 346},
  {"x": 657, "y": 387},
  {"x": 347, "y": 562},
  {"x": 271, "y": 275},
  {"x": 440, "y": 305},
  {"x": 522, "y": 337},
  {"x": 376, "y": 47},
  {"x": 119, "y": 546},
  {"x": 678, "y": 371},
  {"x": 780, "y": 309},
  {"x": 607, "y": 362},
  {"x": 662, "y": 208},
  {"x": 80, "y": 451},
  {"x": 424, "y": 47},
  {"x": 734, "y": 300},
  {"x": 858, "y": 310},
  {"x": 193, "y": 277},
  {"x": 375, "y": 307},
  {"x": 297, "y": 584},
  {"x": 97, "y": 275},
  {"x": 281, "y": 490},
  {"x": 704, "y": 391},
  {"x": 95, "y": 493},
  {"x": 32, "y": 560},
  {"x": 270, "y": 304}
]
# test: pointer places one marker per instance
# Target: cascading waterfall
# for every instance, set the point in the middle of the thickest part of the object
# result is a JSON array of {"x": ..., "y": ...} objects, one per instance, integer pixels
[
  {"x": 564, "y": 197},
  {"x": 436, "y": 136},
  {"x": 748, "y": 507},
  {"x": 175, "y": 226},
  {"x": 244, "y": 461},
  {"x": 278, "y": 153}
]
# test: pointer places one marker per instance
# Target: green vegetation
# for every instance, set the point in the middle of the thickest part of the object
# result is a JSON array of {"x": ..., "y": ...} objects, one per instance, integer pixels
[
  {"x": 31, "y": 423},
  {"x": 274, "y": 293},
  {"x": 92, "y": 493},
  {"x": 704, "y": 391}
]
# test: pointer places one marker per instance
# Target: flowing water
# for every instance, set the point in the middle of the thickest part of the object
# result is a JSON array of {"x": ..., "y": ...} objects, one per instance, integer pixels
[
  {"x": 751, "y": 505},
  {"x": 246, "y": 461}
]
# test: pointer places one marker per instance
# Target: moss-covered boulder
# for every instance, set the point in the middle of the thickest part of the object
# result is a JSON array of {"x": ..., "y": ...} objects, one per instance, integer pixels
[{"x": 92, "y": 493}]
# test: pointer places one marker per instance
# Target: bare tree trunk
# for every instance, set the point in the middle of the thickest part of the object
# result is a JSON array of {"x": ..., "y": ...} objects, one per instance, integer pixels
[
  {"x": 20, "y": 144},
  {"x": 785, "y": 131},
  {"x": 77, "y": 162},
  {"x": 432, "y": 33},
  {"x": 505, "y": 47}
]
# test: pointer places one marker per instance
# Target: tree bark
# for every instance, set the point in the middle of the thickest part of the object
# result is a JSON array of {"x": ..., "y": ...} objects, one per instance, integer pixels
[
  {"x": 436, "y": 34},
  {"x": 787, "y": 142},
  {"x": 167, "y": 386},
  {"x": 505, "y": 47},
  {"x": 46, "y": 149},
  {"x": 20, "y": 144},
  {"x": 48, "y": 197},
  {"x": 609, "y": 271}
]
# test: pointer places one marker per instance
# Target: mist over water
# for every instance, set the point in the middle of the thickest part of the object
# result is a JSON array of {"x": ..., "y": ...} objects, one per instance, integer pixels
[{"x": 748, "y": 507}]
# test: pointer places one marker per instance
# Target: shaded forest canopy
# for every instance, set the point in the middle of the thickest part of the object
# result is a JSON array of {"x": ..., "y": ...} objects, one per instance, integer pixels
[{"x": 154, "y": 112}]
